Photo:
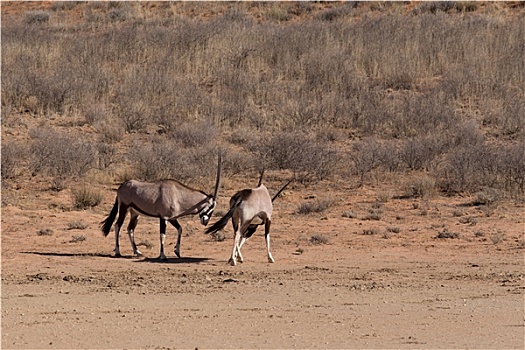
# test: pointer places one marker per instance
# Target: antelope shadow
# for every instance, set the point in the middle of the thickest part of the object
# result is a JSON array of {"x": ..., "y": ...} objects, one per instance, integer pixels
[
  {"x": 99, "y": 255},
  {"x": 181, "y": 260}
]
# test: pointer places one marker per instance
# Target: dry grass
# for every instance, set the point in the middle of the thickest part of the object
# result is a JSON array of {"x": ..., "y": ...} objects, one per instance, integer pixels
[{"x": 397, "y": 89}]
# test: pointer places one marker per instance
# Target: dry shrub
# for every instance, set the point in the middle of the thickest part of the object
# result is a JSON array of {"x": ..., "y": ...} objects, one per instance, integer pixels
[
  {"x": 109, "y": 131},
  {"x": 106, "y": 155},
  {"x": 445, "y": 233},
  {"x": 488, "y": 197},
  {"x": 37, "y": 17},
  {"x": 512, "y": 165},
  {"x": 77, "y": 225},
  {"x": 236, "y": 162},
  {"x": 59, "y": 154},
  {"x": 307, "y": 158},
  {"x": 96, "y": 113},
  {"x": 13, "y": 155},
  {"x": 195, "y": 134},
  {"x": 399, "y": 76},
  {"x": 45, "y": 232},
  {"x": 86, "y": 197},
  {"x": 318, "y": 239},
  {"x": 158, "y": 158},
  {"x": 422, "y": 186},
  {"x": 317, "y": 206},
  {"x": 367, "y": 155},
  {"x": 420, "y": 153}
]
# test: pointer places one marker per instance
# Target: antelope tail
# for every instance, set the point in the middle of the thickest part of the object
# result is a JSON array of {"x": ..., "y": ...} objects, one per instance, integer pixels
[
  {"x": 219, "y": 225},
  {"x": 108, "y": 222}
]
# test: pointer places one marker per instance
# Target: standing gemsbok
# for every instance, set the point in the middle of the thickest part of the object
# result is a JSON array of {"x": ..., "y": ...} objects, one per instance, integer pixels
[
  {"x": 167, "y": 200},
  {"x": 249, "y": 208}
]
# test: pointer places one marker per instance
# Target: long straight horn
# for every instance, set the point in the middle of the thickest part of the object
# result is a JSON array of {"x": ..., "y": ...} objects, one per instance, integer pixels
[
  {"x": 218, "y": 181},
  {"x": 260, "y": 177},
  {"x": 282, "y": 189}
]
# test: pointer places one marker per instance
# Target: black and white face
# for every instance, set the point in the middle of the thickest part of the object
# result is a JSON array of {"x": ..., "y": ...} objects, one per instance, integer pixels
[{"x": 206, "y": 213}]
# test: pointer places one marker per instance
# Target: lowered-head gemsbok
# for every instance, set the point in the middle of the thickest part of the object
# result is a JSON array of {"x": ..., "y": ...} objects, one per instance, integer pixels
[
  {"x": 249, "y": 208},
  {"x": 167, "y": 200}
]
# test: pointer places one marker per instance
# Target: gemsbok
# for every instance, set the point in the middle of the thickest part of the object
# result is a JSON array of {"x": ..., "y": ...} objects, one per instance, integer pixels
[
  {"x": 249, "y": 208},
  {"x": 167, "y": 200}
]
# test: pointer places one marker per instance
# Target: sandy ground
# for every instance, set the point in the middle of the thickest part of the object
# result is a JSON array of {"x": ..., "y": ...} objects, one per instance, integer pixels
[{"x": 387, "y": 283}]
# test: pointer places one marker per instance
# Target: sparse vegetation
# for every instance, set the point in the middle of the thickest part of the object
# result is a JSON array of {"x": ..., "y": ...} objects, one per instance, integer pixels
[
  {"x": 317, "y": 206},
  {"x": 349, "y": 214},
  {"x": 370, "y": 231},
  {"x": 125, "y": 85},
  {"x": 77, "y": 225},
  {"x": 86, "y": 197},
  {"x": 445, "y": 233},
  {"x": 374, "y": 214},
  {"x": 45, "y": 232},
  {"x": 13, "y": 155},
  {"x": 420, "y": 187},
  {"x": 497, "y": 237},
  {"x": 145, "y": 243},
  {"x": 77, "y": 239},
  {"x": 218, "y": 236},
  {"x": 318, "y": 239},
  {"x": 393, "y": 229}
]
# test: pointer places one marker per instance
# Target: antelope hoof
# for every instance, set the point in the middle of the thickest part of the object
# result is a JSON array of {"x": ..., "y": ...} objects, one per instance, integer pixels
[
  {"x": 162, "y": 257},
  {"x": 232, "y": 262},
  {"x": 138, "y": 253},
  {"x": 177, "y": 253},
  {"x": 270, "y": 259}
]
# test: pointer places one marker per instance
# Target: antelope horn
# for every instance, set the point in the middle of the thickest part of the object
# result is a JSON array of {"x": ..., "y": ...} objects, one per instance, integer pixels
[
  {"x": 218, "y": 181},
  {"x": 260, "y": 177},
  {"x": 282, "y": 189}
]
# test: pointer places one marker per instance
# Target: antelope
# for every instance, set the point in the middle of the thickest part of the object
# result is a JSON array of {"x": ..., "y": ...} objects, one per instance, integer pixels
[
  {"x": 249, "y": 208},
  {"x": 167, "y": 200}
]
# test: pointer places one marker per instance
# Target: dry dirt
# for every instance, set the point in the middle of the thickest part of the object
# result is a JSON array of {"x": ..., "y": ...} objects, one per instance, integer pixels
[{"x": 387, "y": 283}]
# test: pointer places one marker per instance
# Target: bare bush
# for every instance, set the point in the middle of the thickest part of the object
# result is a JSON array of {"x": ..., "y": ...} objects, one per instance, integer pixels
[
  {"x": 422, "y": 186},
  {"x": 445, "y": 233},
  {"x": 420, "y": 153},
  {"x": 45, "y": 232},
  {"x": 96, "y": 113},
  {"x": 512, "y": 165},
  {"x": 367, "y": 155},
  {"x": 13, "y": 155},
  {"x": 37, "y": 17},
  {"x": 469, "y": 168},
  {"x": 317, "y": 206},
  {"x": 86, "y": 197},
  {"x": 162, "y": 159},
  {"x": 318, "y": 239},
  {"x": 307, "y": 158},
  {"x": 106, "y": 155},
  {"x": 195, "y": 134},
  {"x": 414, "y": 78},
  {"x": 77, "y": 225},
  {"x": 59, "y": 154}
]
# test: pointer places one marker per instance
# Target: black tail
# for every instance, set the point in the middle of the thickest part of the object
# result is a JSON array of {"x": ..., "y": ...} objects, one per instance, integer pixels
[
  {"x": 108, "y": 222},
  {"x": 219, "y": 225}
]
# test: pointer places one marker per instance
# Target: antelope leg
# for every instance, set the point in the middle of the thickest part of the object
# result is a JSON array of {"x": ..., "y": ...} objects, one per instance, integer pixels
[
  {"x": 176, "y": 224},
  {"x": 267, "y": 238},
  {"x": 162, "y": 256},
  {"x": 131, "y": 228}
]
